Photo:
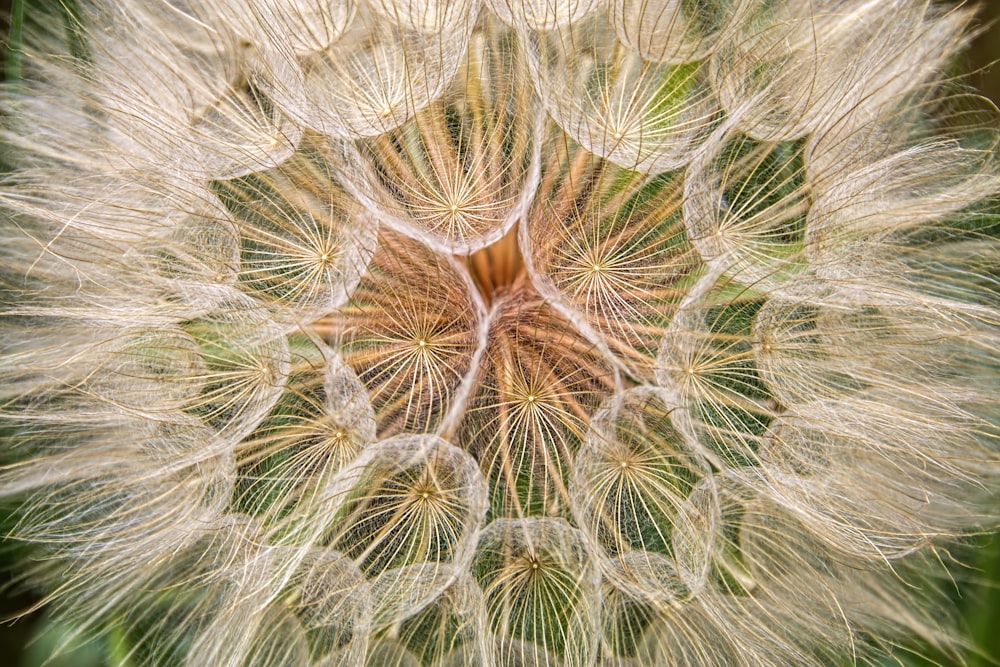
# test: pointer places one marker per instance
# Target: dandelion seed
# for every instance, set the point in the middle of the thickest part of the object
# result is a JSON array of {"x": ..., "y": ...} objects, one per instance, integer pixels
[{"x": 515, "y": 332}]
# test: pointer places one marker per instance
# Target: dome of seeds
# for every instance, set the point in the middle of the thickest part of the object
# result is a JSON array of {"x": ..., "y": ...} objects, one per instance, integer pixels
[{"x": 516, "y": 333}]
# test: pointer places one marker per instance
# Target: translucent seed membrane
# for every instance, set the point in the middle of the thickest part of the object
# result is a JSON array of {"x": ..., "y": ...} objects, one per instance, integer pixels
[
  {"x": 451, "y": 631},
  {"x": 410, "y": 331},
  {"x": 461, "y": 172},
  {"x": 370, "y": 80},
  {"x": 299, "y": 27},
  {"x": 192, "y": 489},
  {"x": 408, "y": 511},
  {"x": 430, "y": 16},
  {"x": 206, "y": 112},
  {"x": 745, "y": 205},
  {"x": 630, "y": 483},
  {"x": 645, "y": 116},
  {"x": 303, "y": 244},
  {"x": 514, "y": 333},
  {"x": 608, "y": 247},
  {"x": 319, "y": 424},
  {"x": 245, "y": 360},
  {"x": 706, "y": 367},
  {"x": 154, "y": 372},
  {"x": 200, "y": 255},
  {"x": 541, "y": 14},
  {"x": 540, "y": 586},
  {"x": 885, "y": 179},
  {"x": 537, "y": 386},
  {"x": 676, "y": 30},
  {"x": 414, "y": 499},
  {"x": 221, "y": 563},
  {"x": 796, "y": 67}
]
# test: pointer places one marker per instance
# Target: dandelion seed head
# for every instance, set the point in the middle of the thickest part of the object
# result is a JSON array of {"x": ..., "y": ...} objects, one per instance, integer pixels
[{"x": 516, "y": 332}]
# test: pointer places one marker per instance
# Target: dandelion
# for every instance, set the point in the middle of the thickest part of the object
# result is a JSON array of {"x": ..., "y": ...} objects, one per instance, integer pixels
[{"x": 516, "y": 332}]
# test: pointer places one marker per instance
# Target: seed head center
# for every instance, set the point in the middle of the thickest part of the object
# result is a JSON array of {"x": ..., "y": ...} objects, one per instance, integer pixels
[{"x": 498, "y": 267}]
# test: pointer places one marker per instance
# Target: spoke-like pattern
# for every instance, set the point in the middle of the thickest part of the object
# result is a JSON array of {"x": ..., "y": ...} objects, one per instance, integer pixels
[
  {"x": 514, "y": 333},
  {"x": 540, "y": 585},
  {"x": 462, "y": 171},
  {"x": 303, "y": 246},
  {"x": 538, "y": 384},
  {"x": 630, "y": 484},
  {"x": 610, "y": 245},
  {"x": 410, "y": 332}
]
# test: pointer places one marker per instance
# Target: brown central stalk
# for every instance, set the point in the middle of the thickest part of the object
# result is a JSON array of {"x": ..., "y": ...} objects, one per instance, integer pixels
[{"x": 497, "y": 267}]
